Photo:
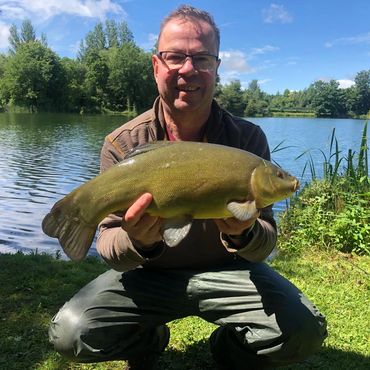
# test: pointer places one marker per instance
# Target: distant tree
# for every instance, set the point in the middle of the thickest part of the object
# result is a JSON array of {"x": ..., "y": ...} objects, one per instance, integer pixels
[
  {"x": 362, "y": 91},
  {"x": 103, "y": 37},
  {"x": 76, "y": 97},
  {"x": 111, "y": 33},
  {"x": 27, "y": 34},
  {"x": 131, "y": 83},
  {"x": 33, "y": 78},
  {"x": 257, "y": 102},
  {"x": 96, "y": 78},
  {"x": 350, "y": 97},
  {"x": 125, "y": 35},
  {"x": 3, "y": 60},
  {"x": 14, "y": 39},
  {"x": 253, "y": 90},
  {"x": 328, "y": 100},
  {"x": 231, "y": 98}
]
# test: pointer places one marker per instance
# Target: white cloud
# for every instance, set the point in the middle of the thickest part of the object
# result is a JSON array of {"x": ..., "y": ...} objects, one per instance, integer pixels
[
  {"x": 363, "y": 38},
  {"x": 235, "y": 61},
  {"x": 276, "y": 13},
  {"x": 345, "y": 84},
  {"x": 44, "y": 10},
  {"x": 41, "y": 11},
  {"x": 292, "y": 61},
  {"x": 151, "y": 42},
  {"x": 4, "y": 35},
  {"x": 235, "y": 64},
  {"x": 263, "y": 50},
  {"x": 264, "y": 81}
]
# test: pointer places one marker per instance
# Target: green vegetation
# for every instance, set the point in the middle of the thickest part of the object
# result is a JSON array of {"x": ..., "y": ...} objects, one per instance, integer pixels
[
  {"x": 112, "y": 74},
  {"x": 320, "y": 99},
  {"x": 34, "y": 287},
  {"x": 332, "y": 213},
  {"x": 323, "y": 249}
]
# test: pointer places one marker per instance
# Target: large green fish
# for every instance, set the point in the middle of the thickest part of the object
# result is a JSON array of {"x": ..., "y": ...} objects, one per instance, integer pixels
[{"x": 188, "y": 181}]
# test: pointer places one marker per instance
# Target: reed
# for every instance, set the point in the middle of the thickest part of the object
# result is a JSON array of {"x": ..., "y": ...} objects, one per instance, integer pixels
[
  {"x": 332, "y": 212},
  {"x": 353, "y": 168}
]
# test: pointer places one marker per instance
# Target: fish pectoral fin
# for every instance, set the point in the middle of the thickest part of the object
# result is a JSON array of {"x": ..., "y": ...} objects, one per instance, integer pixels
[
  {"x": 242, "y": 211},
  {"x": 175, "y": 229}
]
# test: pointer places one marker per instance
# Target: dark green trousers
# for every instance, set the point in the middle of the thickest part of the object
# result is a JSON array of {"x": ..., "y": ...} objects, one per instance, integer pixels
[{"x": 264, "y": 321}]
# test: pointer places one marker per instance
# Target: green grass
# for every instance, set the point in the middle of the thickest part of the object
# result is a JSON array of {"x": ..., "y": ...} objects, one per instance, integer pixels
[{"x": 34, "y": 287}]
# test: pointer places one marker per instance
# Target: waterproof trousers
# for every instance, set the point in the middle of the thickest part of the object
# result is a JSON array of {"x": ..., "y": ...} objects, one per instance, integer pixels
[{"x": 264, "y": 320}]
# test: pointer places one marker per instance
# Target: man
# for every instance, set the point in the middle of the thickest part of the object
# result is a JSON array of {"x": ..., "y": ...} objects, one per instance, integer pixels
[{"x": 216, "y": 272}]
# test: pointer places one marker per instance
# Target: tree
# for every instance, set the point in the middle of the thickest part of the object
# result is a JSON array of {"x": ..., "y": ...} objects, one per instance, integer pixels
[
  {"x": 257, "y": 101},
  {"x": 33, "y": 78},
  {"x": 76, "y": 96},
  {"x": 131, "y": 83},
  {"x": 27, "y": 34},
  {"x": 104, "y": 37},
  {"x": 328, "y": 100},
  {"x": 231, "y": 98},
  {"x": 14, "y": 39},
  {"x": 96, "y": 78},
  {"x": 362, "y": 91},
  {"x": 112, "y": 33}
]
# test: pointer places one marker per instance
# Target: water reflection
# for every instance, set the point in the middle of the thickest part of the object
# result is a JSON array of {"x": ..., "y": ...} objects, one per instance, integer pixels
[{"x": 45, "y": 156}]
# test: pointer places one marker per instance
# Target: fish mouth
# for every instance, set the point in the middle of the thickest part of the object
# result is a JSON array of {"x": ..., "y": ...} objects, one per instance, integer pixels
[{"x": 295, "y": 186}]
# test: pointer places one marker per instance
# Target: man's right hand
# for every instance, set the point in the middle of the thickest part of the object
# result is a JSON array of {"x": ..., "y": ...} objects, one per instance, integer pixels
[{"x": 139, "y": 225}]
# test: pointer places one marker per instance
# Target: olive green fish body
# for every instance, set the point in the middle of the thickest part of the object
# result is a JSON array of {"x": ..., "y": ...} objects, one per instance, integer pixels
[{"x": 187, "y": 180}]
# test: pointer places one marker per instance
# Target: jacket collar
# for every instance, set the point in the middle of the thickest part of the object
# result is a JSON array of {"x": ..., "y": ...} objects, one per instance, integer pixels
[{"x": 213, "y": 128}]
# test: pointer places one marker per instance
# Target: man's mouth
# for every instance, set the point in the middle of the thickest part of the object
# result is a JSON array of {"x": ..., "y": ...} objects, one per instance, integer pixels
[{"x": 188, "y": 88}]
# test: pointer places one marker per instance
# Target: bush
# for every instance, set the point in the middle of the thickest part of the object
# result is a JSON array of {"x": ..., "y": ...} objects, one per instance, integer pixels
[
  {"x": 325, "y": 215},
  {"x": 333, "y": 212}
]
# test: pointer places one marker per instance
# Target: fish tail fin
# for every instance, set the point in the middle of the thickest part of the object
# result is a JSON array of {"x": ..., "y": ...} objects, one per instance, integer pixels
[{"x": 74, "y": 235}]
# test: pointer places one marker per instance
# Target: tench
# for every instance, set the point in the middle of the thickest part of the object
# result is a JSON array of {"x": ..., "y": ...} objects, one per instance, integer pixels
[{"x": 188, "y": 180}]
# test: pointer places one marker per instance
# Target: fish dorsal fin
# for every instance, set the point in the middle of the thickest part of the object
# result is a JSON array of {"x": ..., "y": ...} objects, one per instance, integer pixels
[
  {"x": 175, "y": 229},
  {"x": 145, "y": 148},
  {"x": 242, "y": 211}
]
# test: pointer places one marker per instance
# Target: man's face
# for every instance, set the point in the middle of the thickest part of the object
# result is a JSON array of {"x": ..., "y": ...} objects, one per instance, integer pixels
[{"x": 186, "y": 89}]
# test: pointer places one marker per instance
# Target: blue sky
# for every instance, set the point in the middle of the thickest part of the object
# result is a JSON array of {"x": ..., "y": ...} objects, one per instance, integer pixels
[{"x": 284, "y": 44}]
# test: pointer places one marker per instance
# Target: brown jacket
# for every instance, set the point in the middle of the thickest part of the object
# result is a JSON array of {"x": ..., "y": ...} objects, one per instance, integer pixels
[{"x": 203, "y": 247}]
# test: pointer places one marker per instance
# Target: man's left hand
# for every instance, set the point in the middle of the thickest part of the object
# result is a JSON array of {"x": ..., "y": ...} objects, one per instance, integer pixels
[{"x": 233, "y": 226}]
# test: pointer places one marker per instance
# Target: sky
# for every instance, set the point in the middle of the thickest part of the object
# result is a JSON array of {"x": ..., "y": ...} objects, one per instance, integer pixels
[{"x": 283, "y": 44}]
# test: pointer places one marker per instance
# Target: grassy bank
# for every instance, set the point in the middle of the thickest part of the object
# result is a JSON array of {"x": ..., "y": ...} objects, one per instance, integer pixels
[{"x": 34, "y": 287}]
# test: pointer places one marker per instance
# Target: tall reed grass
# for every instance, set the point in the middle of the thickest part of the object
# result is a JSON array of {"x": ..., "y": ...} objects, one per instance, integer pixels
[
  {"x": 354, "y": 166},
  {"x": 332, "y": 212}
]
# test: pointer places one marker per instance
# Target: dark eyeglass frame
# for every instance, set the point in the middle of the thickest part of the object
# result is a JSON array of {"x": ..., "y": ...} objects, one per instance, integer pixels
[{"x": 186, "y": 56}]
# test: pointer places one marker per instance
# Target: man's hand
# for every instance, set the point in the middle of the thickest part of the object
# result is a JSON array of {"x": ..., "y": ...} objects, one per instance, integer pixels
[
  {"x": 233, "y": 226},
  {"x": 139, "y": 225}
]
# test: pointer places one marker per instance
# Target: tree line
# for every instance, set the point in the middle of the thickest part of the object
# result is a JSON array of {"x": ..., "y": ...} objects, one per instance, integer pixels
[
  {"x": 112, "y": 74},
  {"x": 320, "y": 99}
]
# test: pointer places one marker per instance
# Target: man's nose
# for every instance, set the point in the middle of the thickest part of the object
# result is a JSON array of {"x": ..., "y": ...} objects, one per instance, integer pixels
[{"x": 188, "y": 66}]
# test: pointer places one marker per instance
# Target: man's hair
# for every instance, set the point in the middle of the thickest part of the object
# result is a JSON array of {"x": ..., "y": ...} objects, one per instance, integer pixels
[{"x": 189, "y": 12}]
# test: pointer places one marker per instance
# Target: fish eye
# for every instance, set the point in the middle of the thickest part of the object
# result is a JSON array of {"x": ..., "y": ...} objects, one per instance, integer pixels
[{"x": 280, "y": 174}]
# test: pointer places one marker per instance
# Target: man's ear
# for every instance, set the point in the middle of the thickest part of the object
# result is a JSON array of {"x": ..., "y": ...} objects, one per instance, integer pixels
[
  {"x": 155, "y": 64},
  {"x": 218, "y": 65}
]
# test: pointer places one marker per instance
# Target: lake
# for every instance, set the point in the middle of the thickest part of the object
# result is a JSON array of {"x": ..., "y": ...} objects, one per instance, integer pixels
[{"x": 45, "y": 156}]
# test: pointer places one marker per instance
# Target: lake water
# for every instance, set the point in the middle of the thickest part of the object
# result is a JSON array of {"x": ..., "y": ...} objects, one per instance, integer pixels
[{"x": 45, "y": 156}]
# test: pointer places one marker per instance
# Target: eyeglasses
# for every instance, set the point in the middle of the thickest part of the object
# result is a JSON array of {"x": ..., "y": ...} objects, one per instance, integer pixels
[{"x": 201, "y": 62}]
